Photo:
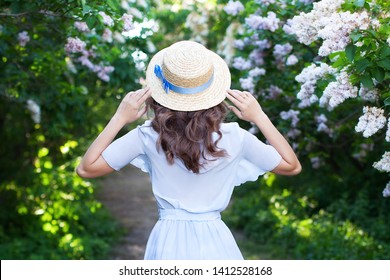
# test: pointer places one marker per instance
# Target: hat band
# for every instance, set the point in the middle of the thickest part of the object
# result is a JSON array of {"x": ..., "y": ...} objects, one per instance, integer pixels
[{"x": 169, "y": 86}]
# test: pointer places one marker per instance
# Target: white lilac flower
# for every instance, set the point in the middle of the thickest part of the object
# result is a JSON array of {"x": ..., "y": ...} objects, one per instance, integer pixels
[
  {"x": 85, "y": 61},
  {"x": 239, "y": 44},
  {"x": 265, "y": 2},
  {"x": 306, "y": 2},
  {"x": 338, "y": 91},
  {"x": 293, "y": 133},
  {"x": 308, "y": 78},
  {"x": 322, "y": 126},
  {"x": 257, "y": 57},
  {"x": 316, "y": 162},
  {"x": 325, "y": 22},
  {"x": 256, "y": 72},
  {"x": 35, "y": 110},
  {"x": 233, "y": 8},
  {"x": 248, "y": 84},
  {"x": 274, "y": 92},
  {"x": 388, "y": 41},
  {"x": 281, "y": 51},
  {"x": 306, "y": 25},
  {"x": 290, "y": 115},
  {"x": 103, "y": 71},
  {"x": 255, "y": 22},
  {"x": 287, "y": 27},
  {"x": 386, "y": 190},
  {"x": 81, "y": 26},
  {"x": 254, "y": 129},
  {"x": 107, "y": 20},
  {"x": 384, "y": 164},
  {"x": 291, "y": 60},
  {"x": 23, "y": 38},
  {"x": 74, "y": 45},
  {"x": 262, "y": 44},
  {"x": 336, "y": 29},
  {"x": 369, "y": 95},
  {"x": 388, "y": 131},
  {"x": 107, "y": 35},
  {"x": 241, "y": 63},
  {"x": 127, "y": 22},
  {"x": 371, "y": 121}
]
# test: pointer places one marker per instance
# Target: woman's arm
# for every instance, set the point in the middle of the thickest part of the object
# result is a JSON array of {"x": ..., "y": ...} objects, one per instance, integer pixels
[
  {"x": 247, "y": 108},
  {"x": 93, "y": 164}
]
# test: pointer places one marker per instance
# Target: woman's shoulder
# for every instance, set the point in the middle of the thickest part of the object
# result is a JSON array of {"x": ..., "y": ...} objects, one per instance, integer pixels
[{"x": 232, "y": 128}]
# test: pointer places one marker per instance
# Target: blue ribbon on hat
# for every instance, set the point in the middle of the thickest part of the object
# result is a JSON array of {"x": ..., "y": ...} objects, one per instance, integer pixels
[{"x": 169, "y": 86}]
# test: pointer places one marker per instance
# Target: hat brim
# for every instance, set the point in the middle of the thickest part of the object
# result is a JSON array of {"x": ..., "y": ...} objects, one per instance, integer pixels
[{"x": 206, "y": 99}]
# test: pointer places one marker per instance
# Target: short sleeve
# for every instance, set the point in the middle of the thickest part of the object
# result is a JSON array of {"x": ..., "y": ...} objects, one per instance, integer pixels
[
  {"x": 264, "y": 156},
  {"x": 256, "y": 158},
  {"x": 127, "y": 149}
]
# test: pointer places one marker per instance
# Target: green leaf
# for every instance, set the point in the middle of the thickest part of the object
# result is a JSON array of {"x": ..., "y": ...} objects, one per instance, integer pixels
[
  {"x": 387, "y": 101},
  {"x": 361, "y": 65},
  {"x": 350, "y": 51},
  {"x": 356, "y": 36},
  {"x": 367, "y": 81},
  {"x": 385, "y": 63},
  {"x": 112, "y": 4},
  {"x": 379, "y": 74},
  {"x": 359, "y": 3},
  {"x": 91, "y": 22},
  {"x": 384, "y": 52}
]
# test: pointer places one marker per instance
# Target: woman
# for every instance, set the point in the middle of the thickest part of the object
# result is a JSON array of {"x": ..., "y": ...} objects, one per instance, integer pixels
[{"x": 194, "y": 159}]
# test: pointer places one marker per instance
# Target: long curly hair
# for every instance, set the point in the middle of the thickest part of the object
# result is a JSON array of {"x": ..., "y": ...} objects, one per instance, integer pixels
[{"x": 188, "y": 135}]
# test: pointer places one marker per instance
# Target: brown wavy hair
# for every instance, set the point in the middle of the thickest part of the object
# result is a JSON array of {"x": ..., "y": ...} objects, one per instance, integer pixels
[{"x": 188, "y": 135}]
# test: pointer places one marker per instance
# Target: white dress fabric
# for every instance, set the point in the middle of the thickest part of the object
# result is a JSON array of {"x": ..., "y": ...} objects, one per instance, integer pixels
[{"x": 190, "y": 225}]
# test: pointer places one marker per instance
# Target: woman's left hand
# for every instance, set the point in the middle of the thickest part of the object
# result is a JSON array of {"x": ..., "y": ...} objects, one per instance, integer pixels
[{"x": 130, "y": 109}]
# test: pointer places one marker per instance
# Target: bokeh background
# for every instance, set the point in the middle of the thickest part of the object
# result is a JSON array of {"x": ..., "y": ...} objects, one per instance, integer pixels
[{"x": 320, "y": 70}]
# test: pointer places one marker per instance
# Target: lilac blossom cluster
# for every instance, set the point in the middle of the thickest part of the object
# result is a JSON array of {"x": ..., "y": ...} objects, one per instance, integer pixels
[
  {"x": 384, "y": 164},
  {"x": 23, "y": 38},
  {"x": 128, "y": 23},
  {"x": 338, "y": 91},
  {"x": 107, "y": 20},
  {"x": 327, "y": 23},
  {"x": 81, "y": 26},
  {"x": 35, "y": 110},
  {"x": 249, "y": 82},
  {"x": 371, "y": 95},
  {"x": 316, "y": 162},
  {"x": 233, "y": 8},
  {"x": 308, "y": 79},
  {"x": 256, "y": 22},
  {"x": 386, "y": 191},
  {"x": 293, "y": 116},
  {"x": 321, "y": 124},
  {"x": 371, "y": 121},
  {"x": 280, "y": 53}
]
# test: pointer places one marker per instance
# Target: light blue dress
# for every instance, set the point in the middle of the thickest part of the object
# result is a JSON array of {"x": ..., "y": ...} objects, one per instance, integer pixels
[{"x": 190, "y": 225}]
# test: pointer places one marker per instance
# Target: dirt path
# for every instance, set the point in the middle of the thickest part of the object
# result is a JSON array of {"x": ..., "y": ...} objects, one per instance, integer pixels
[{"x": 128, "y": 196}]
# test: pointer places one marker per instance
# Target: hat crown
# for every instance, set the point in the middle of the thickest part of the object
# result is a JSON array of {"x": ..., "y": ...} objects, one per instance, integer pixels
[{"x": 187, "y": 64}]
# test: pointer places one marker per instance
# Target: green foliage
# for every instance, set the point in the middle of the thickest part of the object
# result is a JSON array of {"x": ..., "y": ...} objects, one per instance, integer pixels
[{"x": 50, "y": 109}]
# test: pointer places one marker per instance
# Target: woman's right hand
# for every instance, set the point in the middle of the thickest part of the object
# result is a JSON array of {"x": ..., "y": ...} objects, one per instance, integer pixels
[
  {"x": 246, "y": 106},
  {"x": 129, "y": 110}
]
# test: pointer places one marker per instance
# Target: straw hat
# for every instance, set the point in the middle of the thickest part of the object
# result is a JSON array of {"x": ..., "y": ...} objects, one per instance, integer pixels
[{"x": 188, "y": 77}]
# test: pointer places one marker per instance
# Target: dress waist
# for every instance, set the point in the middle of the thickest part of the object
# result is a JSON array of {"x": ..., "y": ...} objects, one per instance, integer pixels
[{"x": 183, "y": 215}]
